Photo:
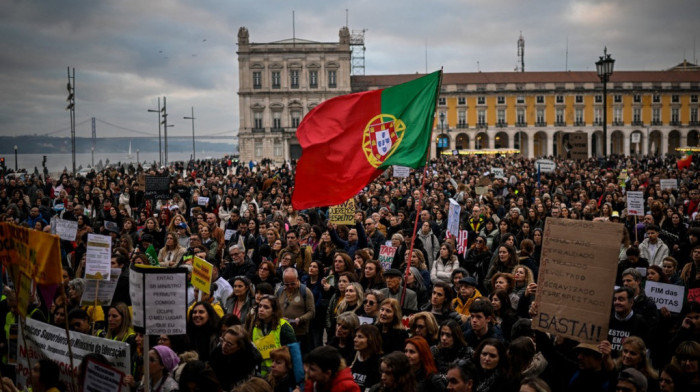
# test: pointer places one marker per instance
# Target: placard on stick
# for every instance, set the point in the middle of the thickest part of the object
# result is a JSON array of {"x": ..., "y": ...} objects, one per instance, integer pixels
[
  {"x": 576, "y": 278},
  {"x": 635, "y": 203},
  {"x": 159, "y": 299},
  {"x": 343, "y": 214},
  {"x": 157, "y": 187},
  {"x": 98, "y": 257},
  {"x": 201, "y": 275},
  {"x": 386, "y": 256}
]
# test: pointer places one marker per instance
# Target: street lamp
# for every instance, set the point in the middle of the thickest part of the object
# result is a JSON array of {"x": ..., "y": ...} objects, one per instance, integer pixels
[
  {"x": 604, "y": 66},
  {"x": 192, "y": 118},
  {"x": 160, "y": 148},
  {"x": 442, "y": 121},
  {"x": 92, "y": 150},
  {"x": 15, "y": 158},
  {"x": 137, "y": 157}
]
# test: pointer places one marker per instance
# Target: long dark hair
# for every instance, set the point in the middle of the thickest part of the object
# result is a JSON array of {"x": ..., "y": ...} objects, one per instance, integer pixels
[{"x": 400, "y": 369}]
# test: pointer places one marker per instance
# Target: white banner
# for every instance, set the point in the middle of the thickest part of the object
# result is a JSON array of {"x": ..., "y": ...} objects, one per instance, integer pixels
[
  {"x": 669, "y": 183},
  {"x": 453, "y": 218},
  {"x": 47, "y": 341},
  {"x": 665, "y": 295},
  {"x": 635, "y": 203}
]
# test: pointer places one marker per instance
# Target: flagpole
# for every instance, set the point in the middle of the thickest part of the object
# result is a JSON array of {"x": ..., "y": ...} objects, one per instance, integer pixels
[{"x": 419, "y": 205}]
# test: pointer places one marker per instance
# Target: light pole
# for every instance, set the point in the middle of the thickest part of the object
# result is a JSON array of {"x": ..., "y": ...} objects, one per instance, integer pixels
[
  {"x": 137, "y": 157},
  {"x": 15, "y": 158},
  {"x": 92, "y": 150},
  {"x": 71, "y": 106},
  {"x": 192, "y": 118},
  {"x": 604, "y": 66},
  {"x": 160, "y": 147}
]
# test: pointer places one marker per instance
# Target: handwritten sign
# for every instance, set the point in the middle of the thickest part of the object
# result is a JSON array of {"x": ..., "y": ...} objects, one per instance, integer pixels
[
  {"x": 401, "y": 171},
  {"x": 202, "y": 201},
  {"x": 462, "y": 242},
  {"x": 343, "y": 214},
  {"x": 576, "y": 278},
  {"x": 157, "y": 188},
  {"x": 66, "y": 229},
  {"x": 104, "y": 295},
  {"x": 386, "y": 256},
  {"x": 669, "y": 296},
  {"x": 158, "y": 299},
  {"x": 669, "y": 183},
  {"x": 578, "y": 144},
  {"x": 229, "y": 233},
  {"x": 453, "y": 217},
  {"x": 98, "y": 257},
  {"x": 201, "y": 274},
  {"x": 498, "y": 172},
  {"x": 635, "y": 203}
]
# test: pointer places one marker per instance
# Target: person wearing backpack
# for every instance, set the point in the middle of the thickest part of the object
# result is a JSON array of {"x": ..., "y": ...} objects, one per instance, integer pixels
[{"x": 297, "y": 303}]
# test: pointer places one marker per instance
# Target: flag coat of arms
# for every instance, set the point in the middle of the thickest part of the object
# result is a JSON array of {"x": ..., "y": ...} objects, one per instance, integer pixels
[{"x": 348, "y": 141}]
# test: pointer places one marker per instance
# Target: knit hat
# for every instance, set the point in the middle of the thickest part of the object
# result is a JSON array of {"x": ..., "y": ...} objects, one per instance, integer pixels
[
  {"x": 167, "y": 357},
  {"x": 635, "y": 377}
]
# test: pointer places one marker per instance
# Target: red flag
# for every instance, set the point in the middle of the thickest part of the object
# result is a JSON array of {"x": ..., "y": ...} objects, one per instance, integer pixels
[{"x": 685, "y": 162}]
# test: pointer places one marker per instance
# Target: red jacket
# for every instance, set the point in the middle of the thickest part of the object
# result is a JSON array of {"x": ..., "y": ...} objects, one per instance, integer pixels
[{"x": 343, "y": 382}]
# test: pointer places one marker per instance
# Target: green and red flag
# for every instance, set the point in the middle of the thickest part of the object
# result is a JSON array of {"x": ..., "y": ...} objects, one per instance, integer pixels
[
  {"x": 348, "y": 141},
  {"x": 686, "y": 161}
]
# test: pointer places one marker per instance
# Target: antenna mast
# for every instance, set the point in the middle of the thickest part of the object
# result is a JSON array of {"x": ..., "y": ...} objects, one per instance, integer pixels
[{"x": 521, "y": 52}]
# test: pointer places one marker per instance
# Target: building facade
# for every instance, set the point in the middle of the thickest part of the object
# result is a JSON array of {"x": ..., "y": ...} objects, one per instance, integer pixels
[
  {"x": 279, "y": 83},
  {"x": 649, "y": 112}
]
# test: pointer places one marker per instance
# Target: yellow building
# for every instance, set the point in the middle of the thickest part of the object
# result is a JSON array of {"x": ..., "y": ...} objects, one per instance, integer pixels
[{"x": 649, "y": 112}]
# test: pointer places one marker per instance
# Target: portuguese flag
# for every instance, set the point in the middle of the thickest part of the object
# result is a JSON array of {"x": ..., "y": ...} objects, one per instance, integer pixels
[
  {"x": 348, "y": 141},
  {"x": 686, "y": 161}
]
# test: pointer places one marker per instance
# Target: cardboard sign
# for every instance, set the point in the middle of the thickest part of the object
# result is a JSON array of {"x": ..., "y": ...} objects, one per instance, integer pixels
[
  {"x": 386, "y": 256},
  {"x": 157, "y": 188},
  {"x": 201, "y": 275},
  {"x": 498, "y": 172},
  {"x": 343, "y": 214},
  {"x": 665, "y": 295},
  {"x": 575, "y": 146},
  {"x": 202, "y": 201},
  {"x": 102, "y": 378},
  {"x": 158, "y": 299},
  {"x": 102, "y": 294},
  {"x": 577, "y": 273},
  {"x": 65, "y": 229},
  {"x": 481, "y": 190},
  {"x": 401, "y": 171},
  {"x": 47, "y": 341},
  {"x": 453, "y": 217},
  {"x": 635, "y": 203},
  {"x": 669, "y": 183},
  {"x": 462, "y": 242},
  {"x": 545, "y": 165},
  {"x": 98, "y": 257}
]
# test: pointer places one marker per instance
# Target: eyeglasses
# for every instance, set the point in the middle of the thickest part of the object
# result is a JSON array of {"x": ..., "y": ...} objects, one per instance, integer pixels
[{"x": 369, "y": 302}]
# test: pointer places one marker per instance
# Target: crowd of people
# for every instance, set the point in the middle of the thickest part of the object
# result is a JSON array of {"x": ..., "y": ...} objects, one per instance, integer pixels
[{"x": 300, "y": 303}]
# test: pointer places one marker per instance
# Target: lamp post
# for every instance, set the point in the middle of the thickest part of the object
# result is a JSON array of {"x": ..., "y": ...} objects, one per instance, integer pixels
[
  {"x": 15, "y": 158},
  {"x": 92, "y": 150},
  {"x": 137, "y": 156},
  {"x": 160, "y": 148},
  {"x": 604, "y": 67},
  {"x": 192, "y": 118}
]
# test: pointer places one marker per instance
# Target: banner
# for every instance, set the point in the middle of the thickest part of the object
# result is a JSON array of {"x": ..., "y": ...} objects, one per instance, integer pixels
[
  {"x": 453, "y": 217},
  {"x": 343, "y": 214},
  {"x": 37, "y": 253},
  {"x": 665, "y": 295},
  {"x": 47, "y": 341},
  {"x": 158, "y": 299},
  {"x": 201, "y": 274},
  {"x": 65, "y": 229},
  {"x": 635, "y": 203},
  {"x": 386, "y": 256},
  {"x": 98, "y": 257},
  {"x": 577, "y": 274},
  {"x": 669, "y": 183}
]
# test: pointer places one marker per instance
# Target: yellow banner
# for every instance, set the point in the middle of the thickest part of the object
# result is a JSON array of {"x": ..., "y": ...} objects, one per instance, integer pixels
[
  {"x": 201, "y": 275},
  {"x": 38, "y": 254}
]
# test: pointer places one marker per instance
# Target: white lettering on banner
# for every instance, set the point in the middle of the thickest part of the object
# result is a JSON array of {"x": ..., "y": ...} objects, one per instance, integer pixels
[
  {"x": 665, "y": 295},
  {"x": 635, "y": 203}
]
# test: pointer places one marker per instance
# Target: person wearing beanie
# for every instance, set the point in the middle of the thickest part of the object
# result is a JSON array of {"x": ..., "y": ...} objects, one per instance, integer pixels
[
  {"x": 162, "y": 360},
  {"x": 631, "y": 380}
]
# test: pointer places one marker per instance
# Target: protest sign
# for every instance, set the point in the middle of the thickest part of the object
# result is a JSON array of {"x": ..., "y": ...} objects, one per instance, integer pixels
[
  {"x": 37, "y": 253},
  {"x": 157, "y": 188},
  {"x": 665, "y": 295},
  {"x": 24, "y": 291},
  {"x": 577, "y": 146},
  {"x": 401, "y": 171},
  {"x": 102, "y": 378},
  {"x": 481, "y": 190},
  {"x": 98, "y": 257},
  {"x": 343, "y": 214},
  {"x": 669, "y": 183},
  {"x": 453, "y": 217},
  {"x": 202, "y": 201},
  {"x": 229, "y": 233},
  {"x": 462, "y": 242},
  {"x": 635, "y": 203},
  {"x": 545, "y": 165},
  {"x": 201, "y": 274},
  {"x": 43, "y": 340},
  {"x": 576, "y": 278},
  {"x": 65, "y": 229},
  {"x": 365, "y": 320},
  {"x": 158, "y": 299},
  {"x": 498, "y": 172},
  {"x": 386, "y": 256},
  {"x": 104, "y": 295}
]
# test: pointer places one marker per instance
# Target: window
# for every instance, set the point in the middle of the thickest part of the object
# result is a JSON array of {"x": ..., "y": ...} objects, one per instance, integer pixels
[
  {"x": 481, "y": 100},
  {"x": 332, "y": 77},
  {"x": 560, "y": 99},
  {"x": 618, "y": 98},
  {"x": 579, "y": 99},
  {"x": 540, "y": 99},
  {"x": 276, "y": 80},
  {"x": 637, "y": 98},
  {"x": 441, "y": 101},
  {"x": 313, "y": 79},
  {"x": 257, "y": 120},
  {"x": 520, "y": 116},
  {"x": 560, "y": 116},
  {"x": 278, "y": 148},
  {"x": 656, "y": 116},
  {"x": 277, "y": 120},
  {"x": 693, "y": 115},
  {"x": 656, "y": 98},
  {"x": 675, "y": 118},
  {"x": 294, "y": 78},
  {"x": 520, "y": 99},
  {"x": 258, "y": 148},
  {"x": 617, "y": 116},
  {"x": 461, "y": 101},
  {"x": 579, "y": 116},
  {"x": 598, "y": 98},
  {"x": 296, "y": 118},
  {"x": 598, "y": 116},
  {"x": 257, "y": 79},
  {"x": 462, "y": 119},
  {"x": 501, "y": 117},
  {"x": 481, "y": 117},
  {"x": 637, "y": 116},
  {"x": 675, "y": 98},
  {"x": 501, "y": 100},
  {"x": 540, "y": 116},
  {"x": 694, "y": 98}
]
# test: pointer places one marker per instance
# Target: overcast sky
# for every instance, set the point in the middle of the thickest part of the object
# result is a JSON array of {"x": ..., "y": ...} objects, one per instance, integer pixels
[{"x": 127, "y": 53}]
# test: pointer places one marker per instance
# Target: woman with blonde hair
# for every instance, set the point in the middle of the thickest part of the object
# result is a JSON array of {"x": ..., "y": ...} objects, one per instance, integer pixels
[
  {"x": 391, "y": 326},
  {"x": 424, "y": 324},
  {"x": 352, "y": 301},
  {"x": 171, "y": 254},
  {"x": 281, "y": 376},
  {"x": 634, "y": 355},
  {"x": 119, "y": 325}
]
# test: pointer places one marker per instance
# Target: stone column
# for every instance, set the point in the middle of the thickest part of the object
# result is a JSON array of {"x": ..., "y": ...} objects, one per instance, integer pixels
[{"x": 530, "y": 146}]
